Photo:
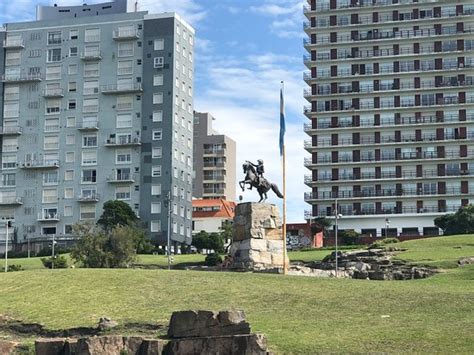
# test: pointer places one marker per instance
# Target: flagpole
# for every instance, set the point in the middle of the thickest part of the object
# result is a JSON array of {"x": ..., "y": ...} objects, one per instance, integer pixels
[{"x": 285, "y": 266}]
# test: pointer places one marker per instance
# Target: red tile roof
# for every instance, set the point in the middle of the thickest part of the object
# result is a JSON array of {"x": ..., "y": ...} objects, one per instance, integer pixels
[{"x": 220, "y": 208}]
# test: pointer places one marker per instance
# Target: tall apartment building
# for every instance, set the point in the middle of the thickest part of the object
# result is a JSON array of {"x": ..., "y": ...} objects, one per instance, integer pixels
[
  {"x": 391, "y": 114},
  {"x": 97, "y": 105},
  {"x": 214, "y": 161}
]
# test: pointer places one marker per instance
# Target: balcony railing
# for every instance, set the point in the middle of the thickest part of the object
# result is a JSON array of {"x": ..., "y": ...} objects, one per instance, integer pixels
[
  {"x": 329, "y": 195},
  {"x": 93, "y": 197},
  {"x": 20, "y": 78},
  {"x": 123, "y": 35},
  {"x": 4, "y": 200},
  {"x": 91, "y": 55},
  {"x": 10, "y": 130},
  {"x": 88, "y": 126},
  {"x": 57, "y": 92},
  {"x": 13, "y": 43},
  {"x": 214, "y": 151},
  {"x": 40, "y": 164},
  {"x": 121, "y": 178},
  {"x": 214, "y": 177},
  {"x": 212, "y": 164},
  {"x": 129, "y": 141},
  {"x": 122, "y": 88},
  {"x": 214, "y": 191},
  {"x": 46, "y": 217}
]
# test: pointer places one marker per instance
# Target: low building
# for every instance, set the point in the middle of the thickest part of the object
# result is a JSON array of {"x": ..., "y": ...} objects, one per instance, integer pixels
[
  {"x": 300, "y": 235},
  {"x": 210, "y": 214}
]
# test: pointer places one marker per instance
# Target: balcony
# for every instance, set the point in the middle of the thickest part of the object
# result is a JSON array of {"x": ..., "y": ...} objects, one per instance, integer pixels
[
  {"x": 11, "y": 201},
  {"x": 52, "y": 93},
  {"x": 121, "y": 178},
  {"x": 214, "y": 151},
  {"x": 213, "y": 178},
  {"x": 13, "y": 44},
  {"x": 88, "y": 126},
  {"x": 48, "y": 217},
  {"x": 91, "y": 197},
  {"x": 91, "y": 55},
  {"x": 213, "y": 191},
  {"x": 121, "y": 89},
  {"x": 10, "y": 131},
  {"x": 40, "y": 164},
  {"x": 21, "y": 78},
  {"x": 123, "y": 142},
  {"x": 372, "y": 211},
  {"x": 214, "y": 164},
  {"x": 125, "y": 35}
]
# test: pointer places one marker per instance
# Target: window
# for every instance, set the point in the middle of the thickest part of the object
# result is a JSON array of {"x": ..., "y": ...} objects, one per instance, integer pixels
[
  {"x": 12, "y": 58},
  {"x": 72, "y": 86},
  {"x": 90, "y": 105},
  {"x": 70, "y": 139},
  {"x": 157, "y": 98},
  {"x": 73, "y": 34},
  {"x": 50, "y": 196},
  {"x": 54, "y": 55},
  {"x": 70, "y": 157},
  {"x": 50, "y": 178},
  {"x": 9, "y": 162},
  {"x": 157, "y": 116},
  {"x": 53, "y": 73},
  {"x": 125, "y": 67},
  {"x": 155, "y": 226},
  {"x": 125, "y": 49},
  {"x": 91, "y": 70},
  {"x": 88, "y": 212},
  {"x": 51, "y": 124},
  {"x": 68, "y": 211},
  {"x": 124, "y": 120},
  {"x": 89, "y": 157},
  {"x": 71, "y": 122},
  {"x": 68, "y": 192},
  {"x": 156, "y": 152},
  {"x": 157, "y": 134},
  {"x": 158, "y": 62},
  {"x": 156, "y": 207},
  {"x": 71, "y": 104},
  {"x": 54, "y": 37},
  {"x": 122, "y": 193},
  {"x": 89, "y": 141},
  {"x": 157, "y": 79},
  {"x": 124, "y": 102},
  {"x": 53, "y": 106},
  {"x": 123, "y": 156},
  {"x": 92, "y": 51},
  {"x": 69, "y": 175},
  {"x": 159, "y": 44},
  {"x": 72, "y": 69},
  {"x": 91, "y": 87},
  {"x": 156, "y": 171},
  {"x": 155, "y": 189},
  {"x": 89, "y": 176},
  {"x": 9, "y": 179},
  {"x": 92, "y": 35},
  {"x": 51, "y": 142}
]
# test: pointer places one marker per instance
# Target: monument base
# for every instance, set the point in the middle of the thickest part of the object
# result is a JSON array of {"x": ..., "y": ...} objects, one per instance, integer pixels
[{"x": 257, "y": 243}]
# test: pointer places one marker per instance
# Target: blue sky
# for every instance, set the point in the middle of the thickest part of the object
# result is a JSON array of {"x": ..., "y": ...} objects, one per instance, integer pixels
[{"x": 243, "y": 49}]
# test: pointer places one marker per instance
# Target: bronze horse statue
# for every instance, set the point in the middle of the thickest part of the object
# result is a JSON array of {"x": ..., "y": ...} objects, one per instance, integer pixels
[{"x": 261, "y": 184}]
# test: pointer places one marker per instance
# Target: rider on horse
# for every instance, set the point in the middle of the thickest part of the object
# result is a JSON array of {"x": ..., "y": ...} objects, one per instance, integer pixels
[{"x": 260, "y": 170}]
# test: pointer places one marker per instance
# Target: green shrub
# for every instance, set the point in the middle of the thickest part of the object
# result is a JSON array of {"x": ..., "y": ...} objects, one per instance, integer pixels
[
  {"x": 212, "y": 259},
  {"x": 60, "y": 262},
  {"x": 14, "y": 267},
  {"x": 382, "y": 244},
  {"x": 349, "y": 237}
]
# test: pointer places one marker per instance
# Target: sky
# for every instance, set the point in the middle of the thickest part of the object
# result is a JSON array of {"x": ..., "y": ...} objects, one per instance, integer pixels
[{"x": 243, "y": 50}]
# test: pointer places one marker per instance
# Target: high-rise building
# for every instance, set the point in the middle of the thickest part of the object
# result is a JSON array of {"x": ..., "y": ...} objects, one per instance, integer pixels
[
  {"x": 392, "y": 112},
  {"x": 214, "y": 161},
  {"x": 97, "y": 105}
]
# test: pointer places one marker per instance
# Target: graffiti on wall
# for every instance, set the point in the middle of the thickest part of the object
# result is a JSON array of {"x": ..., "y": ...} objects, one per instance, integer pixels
[{"x": 298, "y": 241}]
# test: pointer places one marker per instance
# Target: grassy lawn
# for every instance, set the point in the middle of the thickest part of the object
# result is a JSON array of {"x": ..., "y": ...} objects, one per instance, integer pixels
[{"x": 298, "y": 314}]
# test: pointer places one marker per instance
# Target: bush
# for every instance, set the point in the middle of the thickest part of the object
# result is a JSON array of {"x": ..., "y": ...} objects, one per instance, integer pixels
[
  {"x": 382, "y": 244},
  {"x": 12, "y": 254},
  {"x": 14, "y": 267},
  {"x": 349, "y": 237},
  {"x": 213, "y": 259},
  {"x": 60, "y": 262}
]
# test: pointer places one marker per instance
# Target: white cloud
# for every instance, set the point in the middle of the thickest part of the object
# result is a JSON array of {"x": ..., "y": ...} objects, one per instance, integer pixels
[
  {"x": 188, "y": 9},
  {"x": 244, "y": 98}
]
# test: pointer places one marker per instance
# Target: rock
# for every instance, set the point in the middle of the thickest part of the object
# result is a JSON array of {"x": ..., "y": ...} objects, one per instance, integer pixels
[
  {"x": 49, "y": 346},
  {"x": 106, "y": 323},
  {"x": 250, "y": 344},
  {"x": 7, "y": 347},
  {"x": 70, "y": 347},
  {"x": 466, "y": 261},
  {"x": 207, "y": 323},
  {"x": 151, "y": 347}
]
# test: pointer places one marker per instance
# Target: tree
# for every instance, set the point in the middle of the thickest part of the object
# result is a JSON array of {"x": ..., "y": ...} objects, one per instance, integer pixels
[
  {"x": 98, "y": 248},
  {"x": 204, "y": 240},
  {"x": 116, "y": 213},
  {"x": 461, "y": 222},
  {"x": 216, "y": 242},
  {"x": 321, "y": 224},
  {"x": 201, "y": 241},
  {"x": 227, "y": 231}
]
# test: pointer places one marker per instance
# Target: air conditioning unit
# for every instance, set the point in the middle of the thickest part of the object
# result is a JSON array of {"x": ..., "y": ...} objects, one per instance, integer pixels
[{"x": 135, "y": 140}]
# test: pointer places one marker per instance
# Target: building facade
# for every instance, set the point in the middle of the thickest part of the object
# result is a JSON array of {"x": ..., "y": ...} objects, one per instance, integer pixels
[
  {"x": 97, "y": 105},
  {"x": 391, "y": 115},
  {"x": 214, "y": 161},
  {"x": 210, "y": 215}
]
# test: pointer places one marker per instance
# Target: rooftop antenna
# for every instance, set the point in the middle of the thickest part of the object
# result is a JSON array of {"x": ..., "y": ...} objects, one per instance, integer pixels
[{"x": 136, "y": 6}]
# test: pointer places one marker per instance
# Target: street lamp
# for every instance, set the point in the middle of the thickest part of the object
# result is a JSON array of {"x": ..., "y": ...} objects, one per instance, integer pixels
[
  {"x": 168, "y": 241},
  {"x": 52, "y": 252},
  {"x": 387, "y": 224},
  {"x": 8, "y": 224},
  {"x": 337, "y": 215}
]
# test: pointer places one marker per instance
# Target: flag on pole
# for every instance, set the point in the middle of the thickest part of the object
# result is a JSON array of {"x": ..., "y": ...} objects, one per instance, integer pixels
[{"x": 282, "y": 121}]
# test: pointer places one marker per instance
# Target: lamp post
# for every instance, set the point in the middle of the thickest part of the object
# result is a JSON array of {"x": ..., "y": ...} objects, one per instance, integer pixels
[
  {"x": 52, "y": 252},
  {"x": 337, "y": 215},
  {"x": 7, "y": 224},
  {"x": 168, "y": 241},
  {"x": 387, "y": 224}
]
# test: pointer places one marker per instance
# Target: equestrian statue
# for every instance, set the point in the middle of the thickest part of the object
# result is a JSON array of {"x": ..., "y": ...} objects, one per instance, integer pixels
[{"x": 254, "y": 177}]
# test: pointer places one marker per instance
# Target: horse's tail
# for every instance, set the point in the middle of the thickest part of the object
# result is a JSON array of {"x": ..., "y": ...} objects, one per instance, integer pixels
[{"x": 276, "y": 191}]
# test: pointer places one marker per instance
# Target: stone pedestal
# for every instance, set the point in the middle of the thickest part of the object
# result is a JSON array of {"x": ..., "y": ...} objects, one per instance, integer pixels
[{"x": 257, "y": 243}]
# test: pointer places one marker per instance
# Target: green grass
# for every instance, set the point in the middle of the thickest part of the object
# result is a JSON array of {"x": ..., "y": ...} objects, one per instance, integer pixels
[{"x": 298, "y": 314}]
